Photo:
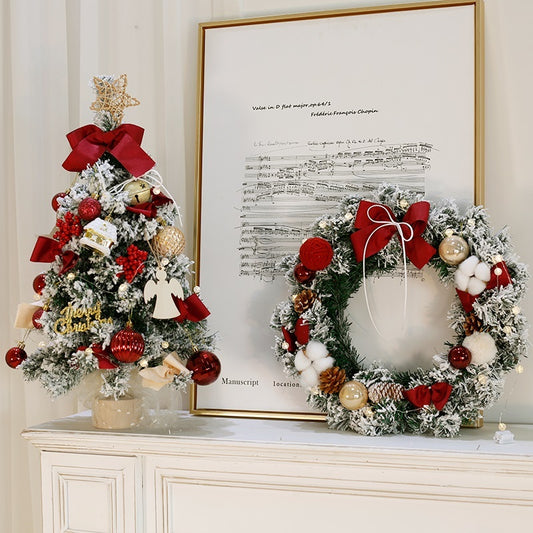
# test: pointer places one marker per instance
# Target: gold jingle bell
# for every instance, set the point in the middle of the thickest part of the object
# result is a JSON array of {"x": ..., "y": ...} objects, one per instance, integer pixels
[
  {"x": 353, "y": 395},
  {"x": 453, "y": 250},
  {"x": 139, "y": 192},
  {"x": 168, "y": 242}
]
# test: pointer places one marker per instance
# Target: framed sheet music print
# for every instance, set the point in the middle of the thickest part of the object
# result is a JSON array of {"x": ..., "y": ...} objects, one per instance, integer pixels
[{"x": 296, "y": 112}]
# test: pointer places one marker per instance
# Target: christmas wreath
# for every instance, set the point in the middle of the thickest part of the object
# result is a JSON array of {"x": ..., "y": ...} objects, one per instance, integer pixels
[{"x": 370, "y": 238}]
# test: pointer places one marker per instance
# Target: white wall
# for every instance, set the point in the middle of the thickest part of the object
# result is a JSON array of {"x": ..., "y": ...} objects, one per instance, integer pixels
[{"x": 50, "y": 50}]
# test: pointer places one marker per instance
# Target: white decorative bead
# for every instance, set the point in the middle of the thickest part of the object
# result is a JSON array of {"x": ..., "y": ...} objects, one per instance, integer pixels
[
  {"x": 404, "y": 204},
  {"x": 516, "y": 310},
  {"x": 165, "y": 345},
  {"x": 143, "y": 363},
  {"x": 196, "y": 290},
  {"x": 285, "y": 345},
  {"x": 507, "y": 330},
  {"x": 323, "y": 224},
  {"x": 519, "y": 369},
  {"x": 71, "y": 276},
  {"x": 348, "y": 216},
  {"x": 482, "y": 379},
  {"x": 502, "y": 426},
  {"x": 123, "y": 287},
  {"x": 165, "y": 261},
  {"x": 498, "y": 271},
  {"x": 156, "y": 191},
  {"x": 471, "y": 223},
  {"x": 448, "y": 232}
]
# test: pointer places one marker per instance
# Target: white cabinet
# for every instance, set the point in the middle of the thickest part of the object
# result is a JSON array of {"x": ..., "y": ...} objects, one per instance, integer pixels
[{"x": 236, "y": 475}]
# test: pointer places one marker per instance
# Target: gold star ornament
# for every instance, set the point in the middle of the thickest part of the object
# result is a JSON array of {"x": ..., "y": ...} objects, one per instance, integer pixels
[{"x": 111, "y": 96}]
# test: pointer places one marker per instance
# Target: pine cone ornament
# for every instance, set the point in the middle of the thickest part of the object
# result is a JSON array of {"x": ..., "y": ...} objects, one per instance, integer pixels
[
  {"x": 332, "y": 380},
  {"x": 472, "y": 323},
  {"x": 304, "y": 300},
  {"x": 382, "y": 391}
]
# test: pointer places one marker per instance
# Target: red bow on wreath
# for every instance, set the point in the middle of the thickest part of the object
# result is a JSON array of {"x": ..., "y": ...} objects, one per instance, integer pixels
[
  {"x": 377, "y": 224},
  {"x": 47, "y": 249},
  {"x": 422, "y": 395},
  {"x": 124, "y": 143}
]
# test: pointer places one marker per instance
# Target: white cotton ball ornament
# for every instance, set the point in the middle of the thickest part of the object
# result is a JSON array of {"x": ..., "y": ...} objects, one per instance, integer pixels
[
  {"x": 309, "y": 377},
  {"x": 301, "y": 362},
  {"x": 316, "y": 350},
  {"x": 461, "y": 280},
  {"x": 323, "y": 364},
  {"x": 481, "y": 346},
  {"x": 468, "y": 266},
  {"x": 482, "y": 272},
  {"x": 475, "y": 286}
]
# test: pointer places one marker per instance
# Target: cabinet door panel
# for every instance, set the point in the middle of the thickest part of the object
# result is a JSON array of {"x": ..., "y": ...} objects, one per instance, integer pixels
[{"x": 89, "y": 493}]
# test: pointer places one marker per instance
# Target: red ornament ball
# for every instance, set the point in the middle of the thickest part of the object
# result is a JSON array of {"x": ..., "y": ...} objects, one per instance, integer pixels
[
  {"x": 302, "y": 274},
  {"x": 15, "y": 356},
  {"x": 127, "y": 345},
  {"x": 316, "y": 253},
  {"x": 459, "y": 357},
  {"x": 36, "y": 317},
  {"x": 205, "y": 367},
  {"x": 55, "y": 203},
  {"x": 89, "y": 209},
  {"x": 39, "y": 284}
]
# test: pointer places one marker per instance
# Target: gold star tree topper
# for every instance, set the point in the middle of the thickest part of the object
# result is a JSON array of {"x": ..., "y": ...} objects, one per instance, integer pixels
[{"x": 111, "y": 96}]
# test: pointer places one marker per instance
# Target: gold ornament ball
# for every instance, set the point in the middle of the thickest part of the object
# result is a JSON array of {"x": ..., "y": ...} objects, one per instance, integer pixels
[
  {"x": 453, "y": 250},
  {"x": 168, "y": 242},
  {"x": 138, "y": 192},
  {"x": 353, "y": 395}
]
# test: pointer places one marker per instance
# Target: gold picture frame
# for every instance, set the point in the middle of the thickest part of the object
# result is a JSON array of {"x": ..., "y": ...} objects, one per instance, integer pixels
[{"x": 225, "y": 50}]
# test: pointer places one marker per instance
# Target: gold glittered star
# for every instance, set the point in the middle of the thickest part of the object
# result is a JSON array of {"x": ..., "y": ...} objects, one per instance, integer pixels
[{"x": 111, "y": 96}]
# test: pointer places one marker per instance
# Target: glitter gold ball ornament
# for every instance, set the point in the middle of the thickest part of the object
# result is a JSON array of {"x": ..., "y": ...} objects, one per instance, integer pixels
[
  {"x": 453, "y": 249},
  {"x": 169, "y": 242},
  {"x": 138, "y": 192},
  {"x": 353, "y": 395}
]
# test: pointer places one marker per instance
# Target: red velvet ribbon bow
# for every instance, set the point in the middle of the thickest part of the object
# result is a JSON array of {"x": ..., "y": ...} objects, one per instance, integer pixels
[
  {"x": 149, "y": 209},
  {"x": 47, "y": 249},
  {"x": 192, "y": 308},
  {"x": 89, "y": 143},
  {"x": 437, "y": 394},
  {"x": 377, "y": 224}
]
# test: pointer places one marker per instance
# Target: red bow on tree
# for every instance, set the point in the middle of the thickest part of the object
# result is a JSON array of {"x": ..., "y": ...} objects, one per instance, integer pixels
[
  {"x": 149, "y": 209},
  {"x": 422, "y": 395},
  {"x": 124, "y": 143},
  {"x": 192, "y": 308},
  {"x": 46, "y": 250},
  {"x": 377, "y": 224}
]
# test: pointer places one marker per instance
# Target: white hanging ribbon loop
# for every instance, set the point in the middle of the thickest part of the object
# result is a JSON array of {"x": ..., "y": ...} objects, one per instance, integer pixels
[{"x": 401, "y": 228}]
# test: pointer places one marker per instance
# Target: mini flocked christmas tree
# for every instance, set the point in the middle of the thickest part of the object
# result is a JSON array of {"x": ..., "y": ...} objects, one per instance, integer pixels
[{"x": 116, "y": 296}]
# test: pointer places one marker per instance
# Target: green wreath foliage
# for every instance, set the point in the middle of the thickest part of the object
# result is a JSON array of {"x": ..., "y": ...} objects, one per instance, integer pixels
[{"x": 473, "y": 388}]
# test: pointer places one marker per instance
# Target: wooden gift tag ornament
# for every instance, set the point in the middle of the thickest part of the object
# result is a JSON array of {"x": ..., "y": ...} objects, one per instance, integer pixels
[{"x": 163, "y": 291}]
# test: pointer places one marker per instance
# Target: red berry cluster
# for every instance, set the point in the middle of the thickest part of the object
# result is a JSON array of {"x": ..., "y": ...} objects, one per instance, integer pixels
[
  {"x": 69, "y": 227},
  {"x": 132, "y": 263}
]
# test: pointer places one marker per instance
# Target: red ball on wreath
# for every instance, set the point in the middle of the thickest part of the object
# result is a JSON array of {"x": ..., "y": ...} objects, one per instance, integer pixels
[
  {"x": 36, "y": 317},
  {"x": 302, "y": 274},
  {"x": 127, "y": 345},
  {"x": 316, "y": 253},
  {"x": 89, "y": 209},
  {"x": 15, "y": 356},
  {"x": 39, "y": 284},
  {"x": 205, "y": 367},
  {"x": 459, "y": 357}
]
